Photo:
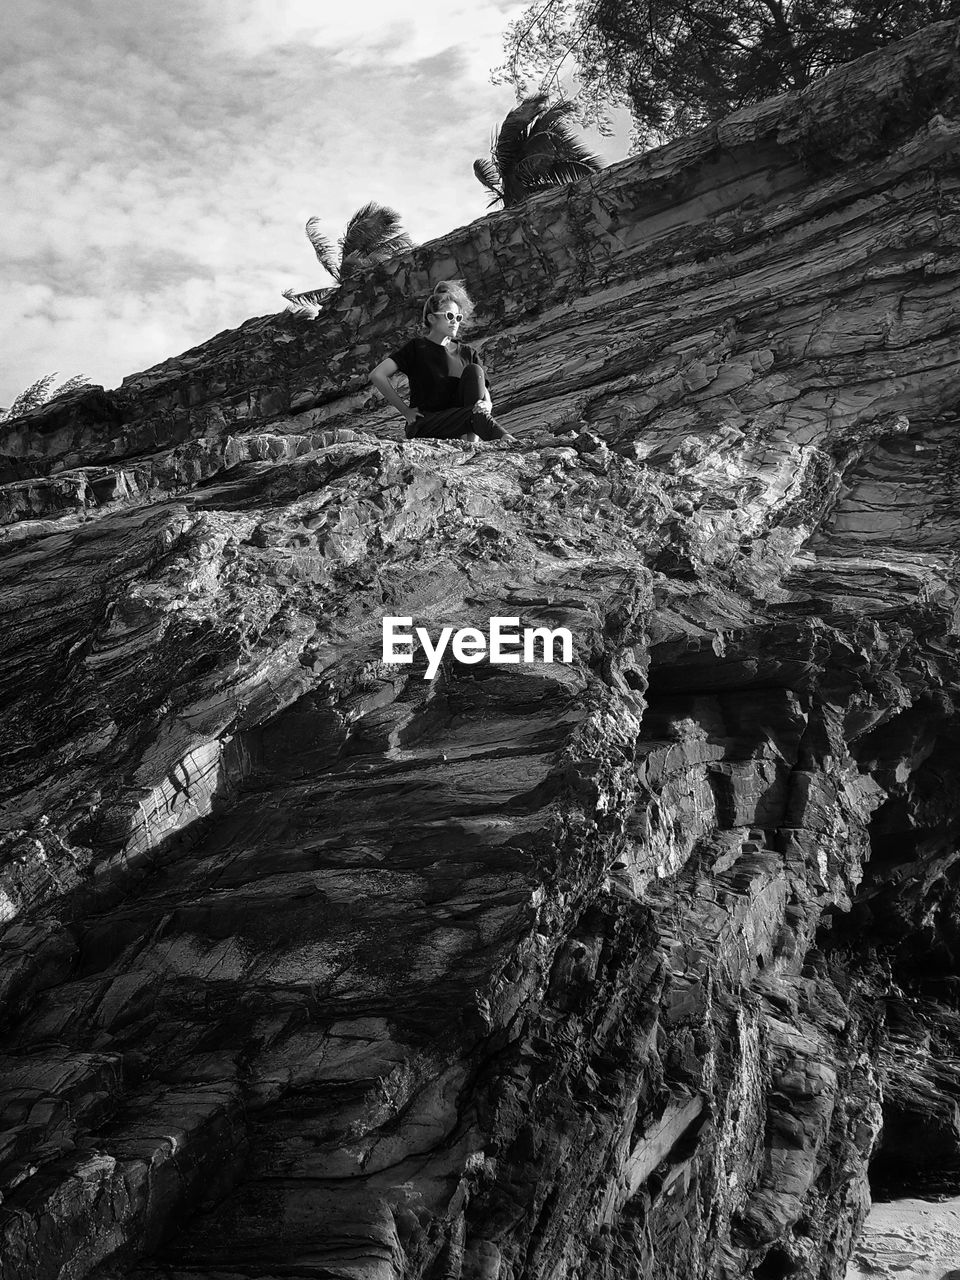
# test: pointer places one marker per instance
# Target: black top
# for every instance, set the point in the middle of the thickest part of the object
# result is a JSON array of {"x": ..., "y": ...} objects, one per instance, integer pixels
[{"x": 432, "y": 384}]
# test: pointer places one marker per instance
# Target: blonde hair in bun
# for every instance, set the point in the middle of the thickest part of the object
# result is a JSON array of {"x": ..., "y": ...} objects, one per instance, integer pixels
[{"x": 445, "y": 292}]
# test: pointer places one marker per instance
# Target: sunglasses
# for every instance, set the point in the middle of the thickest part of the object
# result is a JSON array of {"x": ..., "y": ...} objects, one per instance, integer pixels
[{"x": 451, "y": 315}]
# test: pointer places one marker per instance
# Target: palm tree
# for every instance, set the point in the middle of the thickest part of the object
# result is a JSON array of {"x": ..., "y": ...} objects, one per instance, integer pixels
[
  {"x": 373, "y": 235},
  {"x": 40, "y": 393},
  {"x": 532, "y": 151}
]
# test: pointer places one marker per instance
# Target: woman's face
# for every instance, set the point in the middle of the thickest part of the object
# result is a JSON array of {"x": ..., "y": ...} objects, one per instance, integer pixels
[{"x": 445, "y": 322}]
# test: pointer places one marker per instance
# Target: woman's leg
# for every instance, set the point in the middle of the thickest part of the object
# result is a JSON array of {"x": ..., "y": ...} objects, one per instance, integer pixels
[
  {"x": 471, "y": 420},
  {"x": 487, "y": 427},
  {"x": 447, "y": 424},
  {"x": 473, "y": 388}
]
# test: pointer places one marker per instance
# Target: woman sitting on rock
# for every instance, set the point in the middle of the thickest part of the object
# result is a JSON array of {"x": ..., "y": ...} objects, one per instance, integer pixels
[{"x": 449, "y": 398}]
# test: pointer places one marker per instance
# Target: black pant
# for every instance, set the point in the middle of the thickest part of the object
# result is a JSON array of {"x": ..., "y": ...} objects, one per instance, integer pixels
[{"x": 450, "y": 424}]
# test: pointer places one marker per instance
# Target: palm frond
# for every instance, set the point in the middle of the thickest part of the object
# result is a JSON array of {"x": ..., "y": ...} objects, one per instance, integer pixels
[
  {"x": 535, "y": 149},
  {"x": 351, "y": 263},
  {"x": 301, "y": 306},
  {"x": 32, "y": 397},
  {"x": 398, "y": 243},
  {"x": 370, "y": 227},
  {"x": 527, "y": 110},
  {"x": 555, "y": 114},
  {"x": 552, "y": 172},
  {"x": 322, "y": 247},
  {"x": 315, "y": 296},
  {"x": 487, "y": 173},
  {"x": 551, "y": 135},
  {"x": 77, "y": 382},
  {"x": 567, "y": 149},
  {"x": 509, "y": 143}
]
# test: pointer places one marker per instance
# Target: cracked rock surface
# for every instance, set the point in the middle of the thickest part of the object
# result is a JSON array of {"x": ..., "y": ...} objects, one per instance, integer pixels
[{"x": 618, "y": 968}]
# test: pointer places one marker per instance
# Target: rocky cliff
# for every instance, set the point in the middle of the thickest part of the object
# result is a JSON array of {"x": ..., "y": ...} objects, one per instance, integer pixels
[{"x": 627, "y": 966}]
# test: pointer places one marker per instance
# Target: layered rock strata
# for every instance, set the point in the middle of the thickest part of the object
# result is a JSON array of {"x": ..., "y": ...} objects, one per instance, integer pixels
[{"x": 313, "y": 967}]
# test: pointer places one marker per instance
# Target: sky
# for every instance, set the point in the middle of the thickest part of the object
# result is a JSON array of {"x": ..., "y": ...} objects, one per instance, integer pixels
[{"x": 159, "y": 158}]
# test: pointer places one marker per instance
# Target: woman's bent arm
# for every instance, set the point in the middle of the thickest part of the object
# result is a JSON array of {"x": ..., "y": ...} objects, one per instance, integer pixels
[{"x": 380, "y": 377}]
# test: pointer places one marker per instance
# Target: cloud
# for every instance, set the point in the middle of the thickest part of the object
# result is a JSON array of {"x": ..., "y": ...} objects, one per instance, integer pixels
[{"x": 380, "y": 32}]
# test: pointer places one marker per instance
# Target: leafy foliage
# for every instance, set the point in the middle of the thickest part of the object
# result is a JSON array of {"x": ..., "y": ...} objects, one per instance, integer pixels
[
  {"x": 678, "y": 65},
  {"x": 532, "y": 151},
  {"x": 372, "y": 235},
  {"x": 40, "y": 393},
  {"x": 307, "y": 303}
]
